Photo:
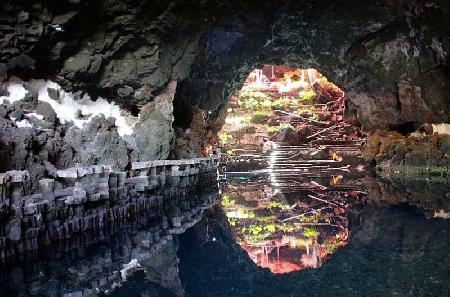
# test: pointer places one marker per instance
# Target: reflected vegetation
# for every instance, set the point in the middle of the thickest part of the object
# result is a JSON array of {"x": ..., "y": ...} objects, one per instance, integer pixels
[{"x": 286, "y": 232}]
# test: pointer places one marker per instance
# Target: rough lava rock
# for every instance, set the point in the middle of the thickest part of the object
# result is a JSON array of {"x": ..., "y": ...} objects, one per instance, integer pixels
[
  {"x": 43, "y": 144},
  {"x": 154, "y": 133},
  {"x": 390, "y": 57},
  {"x": 97, "y": 143}
]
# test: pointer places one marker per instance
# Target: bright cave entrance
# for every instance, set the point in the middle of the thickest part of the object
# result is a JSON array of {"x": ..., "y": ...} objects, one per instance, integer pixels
[{"x": 293, "y": 161}]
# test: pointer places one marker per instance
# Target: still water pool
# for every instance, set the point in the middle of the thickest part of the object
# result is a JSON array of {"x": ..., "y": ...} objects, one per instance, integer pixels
[{"x": 330, "y": 234}]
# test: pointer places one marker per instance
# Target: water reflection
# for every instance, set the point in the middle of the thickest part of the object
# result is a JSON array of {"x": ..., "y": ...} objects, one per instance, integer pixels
[
  {"x": 377, "y": 245},
  {"x": 393, "y": 250},
  {"x": 102, "y": 262},
  {"x": 288, "y": 230}
]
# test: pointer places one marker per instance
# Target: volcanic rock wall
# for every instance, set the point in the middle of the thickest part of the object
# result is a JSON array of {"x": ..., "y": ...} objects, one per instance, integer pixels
[{"x": 390, "y": 57}]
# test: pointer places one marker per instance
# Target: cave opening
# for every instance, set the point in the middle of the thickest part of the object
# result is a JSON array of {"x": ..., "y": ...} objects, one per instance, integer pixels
[
  {"x": 291, "y": 157},
  {"x": 284, "y": 105}
]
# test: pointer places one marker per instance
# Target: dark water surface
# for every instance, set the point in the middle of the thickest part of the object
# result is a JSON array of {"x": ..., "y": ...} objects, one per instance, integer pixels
[
  {"x": 332, "y": 232},
  {"x": 392, "y": 250}
]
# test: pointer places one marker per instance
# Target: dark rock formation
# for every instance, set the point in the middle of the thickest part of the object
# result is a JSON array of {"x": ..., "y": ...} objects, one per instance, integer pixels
[
  {"x": 415, "y": 154},
  {"x": 42, "y": 141},
  {"x": 390, "y": 57},
  {"x": 154, "y": 129},
  {"x": 97, "y": 143}
]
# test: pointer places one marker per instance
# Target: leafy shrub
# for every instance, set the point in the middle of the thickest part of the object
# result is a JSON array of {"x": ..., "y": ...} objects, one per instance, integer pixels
[
  {"x": 286, "y": 128},
  {"x": 310, "y": 232},
  {"x": 249, "y": 104},
  {"x": 266, "y": 104},
  {"x": 281, "y": 103},
  {"x": 259, "y": 118},
  {"x": 226, "y": 201},
  {"x": 274, "y": 204},
  {"x": 250, "y": 99},
  {"x": 308, "y": 111},
  {"x": 224, "y": 138},
  {"x": 249, "y": 93},
  {"x": 305, "y": 110},
  {"x": 307, "y": 96},
  {"x": 273, "y": 129}
]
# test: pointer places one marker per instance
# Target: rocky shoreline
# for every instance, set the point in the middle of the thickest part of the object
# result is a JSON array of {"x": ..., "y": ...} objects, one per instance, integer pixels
[{"x": 90, "y": 198}]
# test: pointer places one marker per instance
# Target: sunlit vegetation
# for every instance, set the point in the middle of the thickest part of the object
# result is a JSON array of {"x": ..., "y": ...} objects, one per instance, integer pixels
[
  {"x": 308, "y": 111},
  {"x": 333, "y": 243},
  {"x": 307, "y": 97},
  {"x": 273, "y": 129},
  {"x": 224, "y": 137},
  {"x": 286, "y": 127},
  {"x": 276, "y": 204},
  {"x": 265, "y": 105},
  {"x": 240, "y": 214},
  {"x": 226, "y": 202},
  {"x": 259, "y": 117},
  {"x": 310, "y": 232}
]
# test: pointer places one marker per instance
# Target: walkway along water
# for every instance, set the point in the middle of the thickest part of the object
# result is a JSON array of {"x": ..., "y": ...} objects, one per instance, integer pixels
[{"x": 91, "y": 198}]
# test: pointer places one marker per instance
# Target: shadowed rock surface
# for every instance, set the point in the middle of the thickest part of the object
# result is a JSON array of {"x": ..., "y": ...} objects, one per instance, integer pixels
[{"x": 390, "y": 57}]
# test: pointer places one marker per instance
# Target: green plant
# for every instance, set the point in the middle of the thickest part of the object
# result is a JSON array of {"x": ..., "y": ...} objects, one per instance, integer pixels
[
  {"x": 270, "y": 228},
  {"x": 249, "y": 93},
  {"x": 311, "y": 111},
  {"x": 274, "y": 204},
  {"x": 273, "y": 129},
  {"x": 226, "y": 201},
  {"x": 307, "y": 96},
  {"x": 322, "y": 80},
  {"x": 232, "y": 222},
  {"x": 249, "y": 104},
  {"x": 240, "y": 214},
  {"x": 250, "y": 99},
  {"x": 224, "y": 138},
  {"x": 332, "y": 245},
  {"x": 259, "y": 117},
  {"x": 305, "y": 110},
  {"x": 281, "y": 103},
  {"x": 247, "y": 119},
  {"x": 266, "y": 104},
  {"x": 310, "y": 232},
  {"x": 286, "y": 128}
]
